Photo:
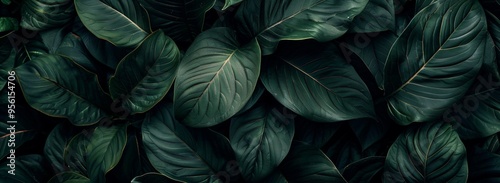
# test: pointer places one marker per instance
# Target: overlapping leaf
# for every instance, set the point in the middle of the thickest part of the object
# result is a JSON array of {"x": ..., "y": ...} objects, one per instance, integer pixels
[
  {"x": 58, "y": 87},
  {"x": 145, "y": 75},
  {"x": 316, "y": 82},
  {"x": 216, "y": 77},
  {"x": 433, "y": 63},
  {"x": 260, "y": 139},
  {"x": 270, "y": 21},
  {"x": 377, "y": 16},
  {"x": 431, "y": 152},
  {"x": 121, "y": 22},
  {"x": 45, "y": 14}
]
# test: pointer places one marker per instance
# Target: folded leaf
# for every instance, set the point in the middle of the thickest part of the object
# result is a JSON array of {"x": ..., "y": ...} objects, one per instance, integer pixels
[{"x": 216, "y": 77}]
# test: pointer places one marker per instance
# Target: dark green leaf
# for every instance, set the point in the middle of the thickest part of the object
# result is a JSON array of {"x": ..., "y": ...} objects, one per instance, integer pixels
[
  {"x": 306, "y": 163},
  {"x": 216, "y": 77},
  {"x": 431, "y": 152},
  {"x": 368, "y": 131},
  {"x": 364, "y": 170},
  {"x": 316, "y": 82},
  {"x": 121, "y": 22},
  {"x": 492, "y": 144},
  {"x": 270, "y": 21},
  {"x": 53, "y": 38},
  {"x": 58, "y": 87},
  {"x": 12, "y": 136},
  {"x": 182, "y": 153},
  {"x": 377, "y": 16},
  {"x": 145, "y": 75},
  {"x": 433, "y": 63},
  {"x": 260, "y": 139},
  {"x": 75, "y": 153},
  {"x": 313, "y": 133},
  {"x": 151, "y": 177},
  {"x": 104, "y": 150},
  {"x": 72, "y": 46},
  {"x": 228, "y": 3},
  {"x": 69, "y": 177},
  {"x": 483, "y": 166},
  {"x": 7, "y": 61},
  {"x": 8, "y": 24},
  {"x": 46, "y": 14},
  {"x": 28, "y": 168},
  {"x": 56, "y": 143},
  {"x": 257, "y": 93},
  {"x": 182, "y": 20},
  {"x": 124, "y": 172}
]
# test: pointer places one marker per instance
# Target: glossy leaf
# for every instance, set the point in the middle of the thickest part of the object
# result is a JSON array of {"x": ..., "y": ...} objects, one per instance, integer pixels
[
  {"x": 427, "y": 50},
  {"x": 270, "y": 21},
  {"x": 45, "y": 14},
  {"x": 145, "y": 75},
  {"x": 75, "y": 153},
  {"x": 306, "y": 163},
  {"x": 260, "y": 139},
  {"x": 104, "y": 150},
  {"x": 491, "y": 144},
  {"x": 377, "y": 16},
  {"x": 73, "y": 47},
  {"x": 53, "y": 38},
  {"x": 69, "y": 177},
  {"x": 431, "y": 152},
  {"x": 316, "y": 82},
  {"x": 216, "y": 77},
  {"x": 58, "y": 87},
  {"x": 182, "y": 20},
  {"x": 55, "y": 144},
  {"x": 8, "y": 24},
  {"x": 364, "y": 170},
  {"x": 121, "y": 22},
  {"x": 228, "y": 3},
  {"x": 181, "y": 153}
]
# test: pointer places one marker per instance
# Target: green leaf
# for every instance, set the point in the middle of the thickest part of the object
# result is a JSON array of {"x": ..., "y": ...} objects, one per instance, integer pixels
[
  {"x": 182, "y": 20},
  {"x": 483, "y": 166},
  {"x": 316, "y": 82},
  {"x": 75, "y": 153},
  {"x": 313, "y": 133},
  {"x": 494, "y": 30},
  {"x": 31, "y": 50},
  {"x": 306, "y": 163},
  {"x": 56, "y": 143},
  {"x": 364, "y": 170},
  {"x": 433, "y": 63},
  {"x": 368, "y": 132},
  {"x": 73, "y": 47},
  {"x": 7, "y": 61},
  {"x": 69, "y": 177},
  {"x": 145, "y": 75},
  {"x": 276, "y": 177},
  {"x": 8, "y": 24},
  {"x": 182, "y": 153},
  {"x": 58, "y": 87},
  {"x": 46, "y": 14},
  {"x": 104, "y": 150},
  {"x": 53, "y": 38},
  {"x": 491, "y": 144},
  {"x": 229, "y": 3},
  {"x": 270, "y": 21},
  {"x": 216, "y": 77},
  {"x": 345, "y": 149},
  {"x": 131, "y": 156},
  {"x": 374, "y": 53},
  {"x": 421, "y": 4},
  {"x": 260, "y": 139},
  {"x": 431, "y": 152},
  {"x": 6, "y": 2},
  {"x": 257, "y": 93},
  {"x": 377, "y": 16},
  {"x": 151, "y": 177},
  {"x": 28, "y": 168},
  {"x": 121, "y": 22}
]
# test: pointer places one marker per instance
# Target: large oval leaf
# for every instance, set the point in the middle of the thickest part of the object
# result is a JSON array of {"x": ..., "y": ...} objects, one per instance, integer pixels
[
  {"x": 306, "y": 163},
  {"x": 121, "y": 22},
  {"x": 260, "y": 139},
  {"x": 273, "y": 20},
  {"x": 58, "y": 87},
  {"x": 316, "y": 82},
  {"x": 182, "y": 20},
  {"x": 431, "y": 152},
  {"x": 145, "y": 75},
  {"x": 179, "y": 152},
  {"x": 216, "y": 78},
  {"x": 433, "y": 63},
  {"x": 104, "y": 150},
  {"x": 45, "y": 14}
]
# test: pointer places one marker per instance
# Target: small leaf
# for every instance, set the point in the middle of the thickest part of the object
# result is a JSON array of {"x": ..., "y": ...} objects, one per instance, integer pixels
[
  {"x": 228, "y": 3},
  {"x": 260, "y": 139},
  {"x": 216, "y": 78},
  {"x": 430, "y": 152},
  {"x": 145, "y": 75},
  {"x": 121, "y": 22}
]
